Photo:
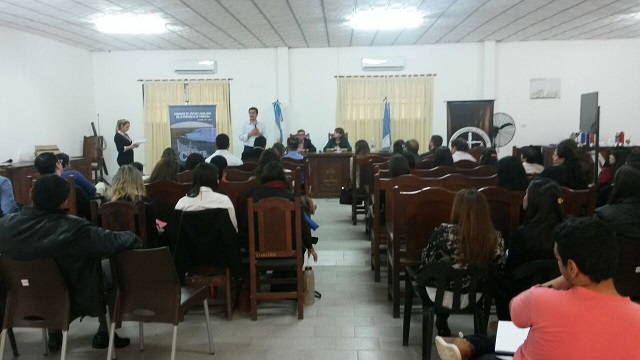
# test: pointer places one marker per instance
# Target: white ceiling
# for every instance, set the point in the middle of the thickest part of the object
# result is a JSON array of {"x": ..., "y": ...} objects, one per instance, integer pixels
[{"x": 239, "y": 24}]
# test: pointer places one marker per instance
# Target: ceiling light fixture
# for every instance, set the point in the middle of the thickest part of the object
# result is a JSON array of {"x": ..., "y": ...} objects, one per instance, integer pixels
[
  {"x": 131, "y": 24},
  {"x": 386, "y": 19}
]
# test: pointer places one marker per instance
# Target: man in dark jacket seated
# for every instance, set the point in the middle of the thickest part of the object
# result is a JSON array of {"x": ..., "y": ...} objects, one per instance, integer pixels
[{"x": 77, "y": 246}]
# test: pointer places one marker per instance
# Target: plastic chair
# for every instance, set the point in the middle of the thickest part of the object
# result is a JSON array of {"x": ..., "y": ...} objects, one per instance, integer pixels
[
  {"x": 37, "y": 297},
  {"x": 148, "y": 290}
]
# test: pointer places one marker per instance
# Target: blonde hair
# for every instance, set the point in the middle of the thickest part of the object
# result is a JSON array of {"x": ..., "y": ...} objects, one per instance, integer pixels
[
  {"x": 120, "y": 123},
  {"x": 478, "y": 239},
  {"x": 127, "y": 184}
]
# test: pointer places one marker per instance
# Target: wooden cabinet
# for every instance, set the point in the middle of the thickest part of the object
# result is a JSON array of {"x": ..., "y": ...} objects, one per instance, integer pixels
[{"x": 329, "y": 173}]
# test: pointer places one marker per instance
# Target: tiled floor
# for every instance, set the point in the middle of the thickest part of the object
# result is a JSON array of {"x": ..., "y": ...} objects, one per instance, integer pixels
[{"x": 352, "y": 320}]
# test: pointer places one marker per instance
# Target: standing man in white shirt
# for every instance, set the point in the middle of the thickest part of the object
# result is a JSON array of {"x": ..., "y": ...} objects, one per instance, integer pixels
[{"x": 251, "y": 130}]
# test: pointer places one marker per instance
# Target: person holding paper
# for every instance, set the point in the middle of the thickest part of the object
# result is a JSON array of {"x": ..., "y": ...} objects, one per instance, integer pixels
[
  {"x": 251, "y": 130},
  {"x": 579, "y": 315},
  {"x": 124, "y": 144}
]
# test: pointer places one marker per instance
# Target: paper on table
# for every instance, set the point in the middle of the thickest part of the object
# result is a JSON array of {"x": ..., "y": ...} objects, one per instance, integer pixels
[
  {"x": 509, "y": 337},
  {"x": 139, "y": 142}
]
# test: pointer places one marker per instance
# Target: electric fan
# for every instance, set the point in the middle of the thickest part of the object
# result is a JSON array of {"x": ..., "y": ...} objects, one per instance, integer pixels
[{"x": 503, "y": 129}]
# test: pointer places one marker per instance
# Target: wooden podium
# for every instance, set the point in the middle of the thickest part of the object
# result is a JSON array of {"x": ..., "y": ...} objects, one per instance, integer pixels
[{"x": 329, "y": 173}]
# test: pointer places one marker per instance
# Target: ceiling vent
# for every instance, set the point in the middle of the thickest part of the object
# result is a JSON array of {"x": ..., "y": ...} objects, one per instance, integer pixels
[
  {"x": 383, "y": 63},
  {"x": 194, "y": 66}
]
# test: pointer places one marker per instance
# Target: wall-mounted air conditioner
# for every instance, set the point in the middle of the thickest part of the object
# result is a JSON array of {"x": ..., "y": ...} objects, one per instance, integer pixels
[
  {"x": 383, "y": 63},
  {"x": 194, "y": 66}
]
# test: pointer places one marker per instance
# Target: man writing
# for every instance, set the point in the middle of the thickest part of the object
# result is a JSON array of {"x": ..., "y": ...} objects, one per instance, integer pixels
[
  {"x": 44, "y": 231},
  {"x": 251, "y": 130}
]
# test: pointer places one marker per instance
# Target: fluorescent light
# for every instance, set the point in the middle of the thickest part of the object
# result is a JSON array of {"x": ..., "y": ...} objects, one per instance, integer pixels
[
  {"x": 386, "y": 19},
  {"x": 130, "y": 24}
]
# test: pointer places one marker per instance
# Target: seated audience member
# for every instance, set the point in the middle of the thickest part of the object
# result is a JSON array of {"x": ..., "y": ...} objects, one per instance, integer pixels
[
  {"x": 511, "y": 174},
  {"x": 81, "y": 181},
  {"x": 47, "y": 163},
  {"x": 532, "y": 159},
  {"x": 279, "y": 148},
  {"x": 192, "y": 161},
  {"x": 398, "y": 165},
  {"x": 532, "y": 240},
  {"x": 412, "y": 147},
  {"x": 398, "y": 146},
  {"x": 203, "y": 195},
  {"x": 489, "y": 156},
  {"x": 582, "y": 305},
  {"x": 171, "y": 154},
  {"x": 442, "y": 157},
  {"x": 566, "y": 169},
  {"x": 165, "y": 169},
  {"x": 338, "y": 141},
  {"x": 411, "y": 160},
  {"x": 46, "y": 231},
  {"x": 138, "y": 166},
  {"x": 604, "y": 184},
  {"x": 469, "y": 238},
  {"x": 304, "y": 143},
  {"x": 267, "y": 156},
  {"x": 292, "y": 150},
  {"x": 259, "y": 144},
  {"x": 222, "y": 144},
  {"x": 459, "y": 152},
  {"x": 274, "y": 184},
  {"x": 221, "y": 163},
  {"x": 436, "y": 142},
  {"x": 362, "y": 150},
  {"x": 7, "y": 201},
  {"x": 127, "y": 185}
]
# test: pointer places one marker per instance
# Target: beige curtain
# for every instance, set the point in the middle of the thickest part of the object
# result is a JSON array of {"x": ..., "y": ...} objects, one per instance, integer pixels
[
  {"x": 157, "y": 96},
  {"x": 214, "y": 92},
  {"x": 360, "y": 107}
]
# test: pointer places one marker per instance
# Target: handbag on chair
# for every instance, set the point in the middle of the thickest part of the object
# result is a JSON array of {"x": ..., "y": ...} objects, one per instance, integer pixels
[{"x": 308, "y": 296}]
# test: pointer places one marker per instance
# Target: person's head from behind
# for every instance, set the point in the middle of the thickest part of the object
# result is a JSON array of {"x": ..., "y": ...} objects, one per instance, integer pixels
[
  {"x": 586, "y": 250},
  {"x": 338, "y": 133},
  {"x": 489, "y": 156},
  {"x": 193, "y": 160},
  {"x": 292, "y": 144},
  {"x": 220, "y": 162},
  {"x": 138, "y": 166},
  {"x": 442, "y": 157},
  {"x": 47, "y": 163},
  {"x": 171, "y": 154},
  {"x": 565, "y": 152},
  {"x": 222, "y": 142},
  {"x": 204, "y": 175},
  {"x": 260, "y": 142},
  {"x": 626, "y": 184},
  {"x": 472, "y": 215},
  {"x": 272, "y": 171},
  {"x": 278, "y": 148},
  {"x": 412, "y": 146},
  {"x": 63, "y": 159},
  {"x": 127, "y": 184},
  {"x": 165, "y": 169},
  {"x": 50, "y": 192},
  {"x": 543, "y": 212},
  {"x": 398, "y": 165},
  {"x": 266, "y": 157},
  {"x": 398, "y": 146},
  {"x": 532, "y": 155},
  {"x": 362, "y": 148},
  {"x": 436, "y": 142},
  {"x": 411, "y": 159},
  {"x": 459, "y": 144},
  {"x": 511, "y": 174}
]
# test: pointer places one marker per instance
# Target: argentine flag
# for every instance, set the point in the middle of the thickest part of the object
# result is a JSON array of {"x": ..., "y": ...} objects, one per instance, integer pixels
[
  {"x": 277, "y": 112},
  {"x": 386, "y": 127}
]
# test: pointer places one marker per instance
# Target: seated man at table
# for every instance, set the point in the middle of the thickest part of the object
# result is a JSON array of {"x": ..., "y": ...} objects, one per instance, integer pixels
[
  {"x": 579, "y": 315},
  {"x": 77, "y": 246},
  {"x": 303, "y": 143},
  {"x": 47, "y": 163}
]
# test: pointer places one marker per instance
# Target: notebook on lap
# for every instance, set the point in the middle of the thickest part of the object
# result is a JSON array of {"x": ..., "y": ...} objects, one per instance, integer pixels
[{"x": 509, "y": 338}]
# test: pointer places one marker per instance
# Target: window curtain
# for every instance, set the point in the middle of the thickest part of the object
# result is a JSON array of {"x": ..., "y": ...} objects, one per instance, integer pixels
[
  {"x": 214, "y": 92},
  {"x": 360, "y": 107},
  {"x": 157, "y": 96}
]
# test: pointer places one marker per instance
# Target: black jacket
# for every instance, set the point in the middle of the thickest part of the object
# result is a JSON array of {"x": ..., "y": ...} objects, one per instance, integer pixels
[
  {"x": 75, "y": 244},
  {"x": 251, "y": 153},
  {"x": 308, "y": 146},
  {"x": 623, "y": 217}
]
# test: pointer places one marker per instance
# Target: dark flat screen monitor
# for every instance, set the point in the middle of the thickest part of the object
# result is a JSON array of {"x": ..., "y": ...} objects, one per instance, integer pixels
[{"x": 589, "y": 112}]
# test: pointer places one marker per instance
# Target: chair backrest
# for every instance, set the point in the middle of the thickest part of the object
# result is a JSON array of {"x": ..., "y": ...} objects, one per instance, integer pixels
[
  {"x": 330, "y": 136},
  {"x": 238, "y": 192},
  {"x": 302, "y": 174},
  {"x": 426, "y": 163},
  {"x": 295, "y": 136},
  {"x": 37, "y": 294},
  {"x": 435, "y": 172},
  {"x": 165, "y": 195},
  {"x": 536, "y": 272},
  {"x": 465, "y": 164},
  {"x": 482, "y": 170},
  {"x": 185, "y": 177},
  {"x": 121, "y": 216},
  {"x": 476, "y": 152},
  {"x": 238, "y": 175},
  {"x": 505, "y": 208},
  {"x": 148, "y": 287},
  {"x": 627, "y": 277},
  {"x": 246, "y": 166},
  {"x": 275, "y": 229},
  {"x": 579, "y": 202}
]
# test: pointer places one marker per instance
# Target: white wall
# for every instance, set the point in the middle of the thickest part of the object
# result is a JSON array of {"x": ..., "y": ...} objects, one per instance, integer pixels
[{"x": 46, "y": 96}]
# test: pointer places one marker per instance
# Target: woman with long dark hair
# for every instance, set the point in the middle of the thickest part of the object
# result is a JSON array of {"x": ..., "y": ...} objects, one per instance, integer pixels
[
  {"x": 567, "y": 170},
  {"x": 443, "y": 157},
  {"x": 622, "y": 212},
  {"x": 511, "y": 174}
]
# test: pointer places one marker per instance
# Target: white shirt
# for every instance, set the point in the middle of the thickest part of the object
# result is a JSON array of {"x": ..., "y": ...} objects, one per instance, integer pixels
[
  {"x": 532, "y": 168},
  {"x": 232, "y": 160},
  {"x": 208, "y": 199},
  {"x": 462, "y": 155},
  {"x": 248, "y": 141}
]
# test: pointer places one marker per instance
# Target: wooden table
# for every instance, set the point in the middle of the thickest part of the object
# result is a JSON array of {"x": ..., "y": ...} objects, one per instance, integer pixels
[
  {"x": 19, "y": 171},
  {"x": 329, "y": 173}
]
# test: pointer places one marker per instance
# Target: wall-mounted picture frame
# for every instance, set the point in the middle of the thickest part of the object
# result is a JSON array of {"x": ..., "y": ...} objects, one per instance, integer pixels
[{"x": 544, "y": 88}]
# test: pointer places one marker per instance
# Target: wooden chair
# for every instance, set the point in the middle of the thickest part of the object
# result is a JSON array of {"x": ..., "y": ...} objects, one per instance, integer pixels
[
  {"x": 465, "y": 164},
  {"x": 185, "y": 177},
  {"x": 165, "y": 195},
  {"x": 301, "y": 174},
  {"x": 435, "y": 172},
  {"x": 506, "y": 207},
  {"x": 121, "y": 216},
  {"x": 427, "y": 163},
  {"x": 238, "y": 175},
  {"x": 275, "y": 243},
  {"x": 330, "y": 136},
  {"x": 415, "y": 215},
  {"x": 579, "y": 202},
  {"x": 478, "y": 171},
  {"x": 148, "y": 291},
  {"x": 37, "y": 297},
  {"x": 246, "y": 166},
  {"x": 476, "y": 152},
  {"x": 445, "y": 276},
  {"x": 238, "y": 192}
]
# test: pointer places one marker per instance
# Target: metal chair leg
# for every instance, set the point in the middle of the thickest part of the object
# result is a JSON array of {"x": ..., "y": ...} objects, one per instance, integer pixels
[
  {"x": 174, "y": 341},
  {"x": 141, "y": 335},
  {"x": 206, "y": 314},
  {"x": 63, "y": 350},
  {"x": 112, "y": 333},
  {"x": 44, "y": 340}
]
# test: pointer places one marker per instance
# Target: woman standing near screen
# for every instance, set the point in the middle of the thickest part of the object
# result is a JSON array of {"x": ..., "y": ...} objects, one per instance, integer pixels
[{"x": 124, "y": 144}]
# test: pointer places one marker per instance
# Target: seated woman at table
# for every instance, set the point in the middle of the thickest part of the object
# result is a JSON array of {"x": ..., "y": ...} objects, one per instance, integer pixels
[
  {"x": 469, "y": 238},
  {"x": 337, "y": 141}
]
